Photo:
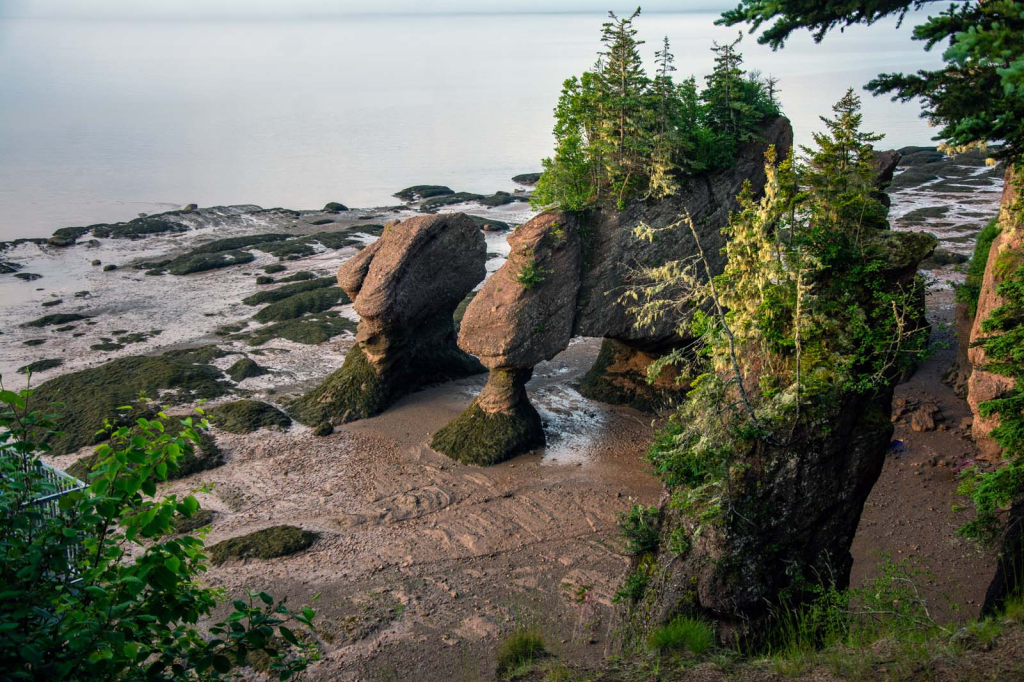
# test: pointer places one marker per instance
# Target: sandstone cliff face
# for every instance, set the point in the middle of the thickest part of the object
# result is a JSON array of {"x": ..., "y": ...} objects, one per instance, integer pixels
[
  {"x": 983, "y": 385},
  {"x": 788, "y": 512},
  {"x": 405, "y": 287}
]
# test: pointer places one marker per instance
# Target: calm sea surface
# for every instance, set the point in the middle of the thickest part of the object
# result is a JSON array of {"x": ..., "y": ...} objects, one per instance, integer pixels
[{"x": 100, "y": 120}]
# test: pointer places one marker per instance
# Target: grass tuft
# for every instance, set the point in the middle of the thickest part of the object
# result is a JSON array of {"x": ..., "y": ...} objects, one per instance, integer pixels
[
  {"x": 683, "y": 634},
  {"x": 517, "y": 653}
]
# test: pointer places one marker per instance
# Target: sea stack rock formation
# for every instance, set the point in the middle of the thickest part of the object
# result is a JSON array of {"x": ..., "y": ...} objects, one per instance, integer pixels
[
  {"x": 522, "y": 316},
  {"x": 564, "y": 278},
  {"x": 405, "y": 288}
]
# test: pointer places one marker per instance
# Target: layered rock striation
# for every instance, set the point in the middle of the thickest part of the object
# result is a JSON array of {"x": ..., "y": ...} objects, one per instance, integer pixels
[{"x": 405, "y": 288}]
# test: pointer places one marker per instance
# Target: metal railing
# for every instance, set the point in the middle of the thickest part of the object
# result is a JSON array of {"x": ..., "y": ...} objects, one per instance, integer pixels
[{"x": 55, "y": 485}]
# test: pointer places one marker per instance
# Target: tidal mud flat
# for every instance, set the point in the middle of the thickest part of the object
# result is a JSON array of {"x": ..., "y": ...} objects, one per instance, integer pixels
[{"x": 423, "y": 563}]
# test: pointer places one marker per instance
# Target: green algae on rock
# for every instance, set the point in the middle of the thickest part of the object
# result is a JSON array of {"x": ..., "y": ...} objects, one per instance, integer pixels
[
  {"x": 84, "y": 399},
  {"x": 246, "y": 416},
  {"x": 316, "y": 301},
  {"x": 40, "y": 365},
  {"x": 281, "y": 293},
  {"x": 246, "y": 368},
  {"x": 269, "y": 543},
  {"x": 308, "y": 329},
  {"x": 204, "y": 456},
  {"x": 55, "y": 319}
]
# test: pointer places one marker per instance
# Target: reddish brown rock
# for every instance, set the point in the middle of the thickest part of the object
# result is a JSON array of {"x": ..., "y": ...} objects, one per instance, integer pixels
[
  {"x": 983, "y": 385},
  {"x": 405, "y": 287}
]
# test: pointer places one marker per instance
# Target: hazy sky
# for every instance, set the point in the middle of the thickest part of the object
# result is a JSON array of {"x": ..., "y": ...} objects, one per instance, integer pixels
[{"x": 102, "y": 8}]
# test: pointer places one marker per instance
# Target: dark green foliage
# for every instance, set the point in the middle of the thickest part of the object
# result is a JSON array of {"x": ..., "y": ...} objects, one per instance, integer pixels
[
  {"x": 978, "y": 96},
  {"x": 423, "y": 192},
  {"x": 460, "y": 310},
  {"x": 476, "y": 437},
  {"x": 85, "y": 399},
  {"x": 246, "y": 416},
  {"x": 519, "y": 651},
  {"x": 281, "y": 293},
  {"x": 308, "y": 329},
  {"x": 128, "y": 594},
  {"x": 620, "y": 133},
  {"x": 437, "y": 202},
  {"x": 269, "y": 543},
  {"x": 49, "y": 304},
  {"x": 633, "y": 586},
  {"x": 202, "y": 456},
  {"x": 263, "y": 279},
  {"x": 243, "y": 369},
  {"x": 639, "y": 529},
  {"x": 40, "y": 365},
  {"x": 323, "y": 429},
  {"x": 274, "y": 268},
  {"x": 970, "y": 290},
  {"x": 55, "y": 319},
  {"x": 316, "y": 301}
]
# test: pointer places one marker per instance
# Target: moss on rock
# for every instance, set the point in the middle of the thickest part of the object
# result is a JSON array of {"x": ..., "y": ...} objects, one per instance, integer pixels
[
  {"x": 423, "y": 192},
  {"x": 40, "y": 365},
  {"x": 276, "y": 267},
  {"x": 477, "y": 437},
  {"x": 269, "y": 543},
  {"x": 85, "y": 399},
  {"x": 246, "y": 416},
  {"x": 353, "y": 392},
  {"x": 55, "y": 319},
  {"x": 316, "y": 301},
  {"x": 300, "y": 276},
  {"x": 308, "y": 329},
  {"x": 200, "y": 519},
  {"x": 204, "y": 456},
  {"x": 281, "y": 293},
  {"x": 246, "y": 368}
]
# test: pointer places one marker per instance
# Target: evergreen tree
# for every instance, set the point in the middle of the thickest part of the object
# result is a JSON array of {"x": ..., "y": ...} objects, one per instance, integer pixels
[
  {"x": 665, "y": 142},
  {"x": 977, "y": 97},
  {"x": 623, "y": 89},
  {"x": 724, "y": 90}
]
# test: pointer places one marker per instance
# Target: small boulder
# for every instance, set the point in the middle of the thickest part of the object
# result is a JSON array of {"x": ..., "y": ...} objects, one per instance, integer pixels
[
  {"x": 97, "y": 262},
  {"x": 246, "y": 368},
  {"x": 109, "y": 267},
  {"x": 335, "y": 207}
]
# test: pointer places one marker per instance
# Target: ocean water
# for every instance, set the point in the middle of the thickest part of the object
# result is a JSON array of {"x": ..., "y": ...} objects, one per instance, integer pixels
[{"x": 103, "y": 119}]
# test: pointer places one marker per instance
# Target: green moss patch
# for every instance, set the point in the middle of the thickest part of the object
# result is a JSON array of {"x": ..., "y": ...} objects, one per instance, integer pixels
[
  {"x": 34, "y": 342},
  {"x": 85, "y": 399},
  {"x": 54, "y": 319},
  {"x": 269, "y": 543},
  {"x": 296, "y": 306},
  {"x": 246, "y": 416},
  {"x": 281, "y": 293},
  {"x": 246, "y": 368},
  {"x": 308, "y": 329},
  {"x": 263, "y": 279},
  {"x": 200, "y": 519},
  {"x": 305, "y": 246},
  {"x": 970, "y": 291},
  {"x": 106, "y": 345},
  {"x": 204, "y": 456},
  {"x": 50, "y": 304},
  {"x": 300, "y": 276},
  {"x": 476, "y": 437},
  {"x": 353, "y": 392},
  {"x": 276, "y": 267},
  {"x": 40, "y": 366}
]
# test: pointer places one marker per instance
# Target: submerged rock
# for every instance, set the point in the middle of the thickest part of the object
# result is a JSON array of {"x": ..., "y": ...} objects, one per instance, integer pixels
[
  {"x": 405, "y": 288},
  {"x": 246, "y": 368}
]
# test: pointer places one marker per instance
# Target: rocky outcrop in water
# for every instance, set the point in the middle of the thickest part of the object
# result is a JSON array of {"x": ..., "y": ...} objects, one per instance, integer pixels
[
  {"x": 405, "y": 287},
  {"x": 564, "y": 278}
]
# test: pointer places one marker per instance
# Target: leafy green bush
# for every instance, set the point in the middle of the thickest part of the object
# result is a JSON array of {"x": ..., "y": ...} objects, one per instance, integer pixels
[
  {"x": 530, "y": 275},
  {"x": 970, "y": 290},
  {"x": 683, "y": 634},
  {"x": 96, "y": 587},
  {"x": 639, "y": 528},
  {"x": 519, "y": 651}
]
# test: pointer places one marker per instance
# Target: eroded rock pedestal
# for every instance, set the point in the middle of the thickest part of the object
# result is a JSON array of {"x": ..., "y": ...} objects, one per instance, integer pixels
[
  {"x": 522, "y": 316},
  {"x": 405, "y": 287}
]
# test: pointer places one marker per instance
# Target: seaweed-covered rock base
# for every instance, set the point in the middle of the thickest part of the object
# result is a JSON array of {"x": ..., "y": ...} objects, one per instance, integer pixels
[
  {"x": 405, "y": 287},
  {"x": 246, "y": 416},
  {"x": 498, "y": 425},
  {"x": 268, "y": 543},
  {"x": 619, "y": 377}
]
